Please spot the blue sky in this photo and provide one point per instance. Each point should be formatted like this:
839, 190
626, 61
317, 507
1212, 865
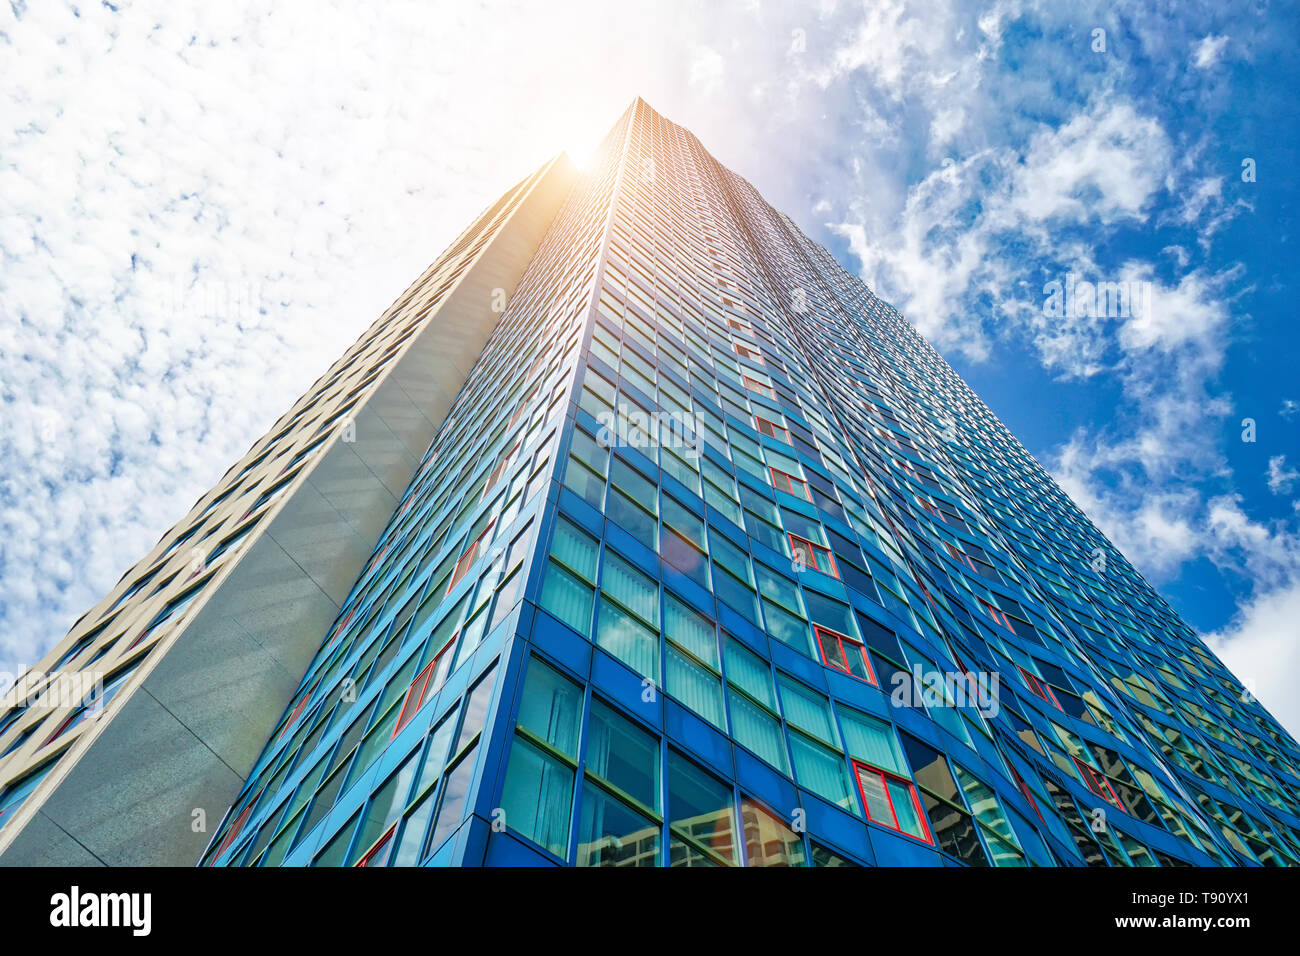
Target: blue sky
201, 206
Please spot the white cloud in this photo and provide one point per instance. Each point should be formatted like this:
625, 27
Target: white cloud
1154, 530
1191, 311
707, 69
1261, 646
1105, 164
955, 262
1280, 478
1208, 189
886, 44
1208, 50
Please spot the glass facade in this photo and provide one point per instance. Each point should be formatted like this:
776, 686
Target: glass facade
716, 562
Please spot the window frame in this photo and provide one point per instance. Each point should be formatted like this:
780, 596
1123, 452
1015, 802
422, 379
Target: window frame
820, 631
759, 388
1099, 784
812, 547
760, 421
790, 480
467, 558
1037, 686
885, 777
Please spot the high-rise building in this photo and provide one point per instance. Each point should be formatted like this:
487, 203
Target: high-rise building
712, 560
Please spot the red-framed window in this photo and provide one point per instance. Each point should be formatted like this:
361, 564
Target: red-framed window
75, 717
1040, 687
236, 827
423, 686
813, 555
370, 565
297, 711
467, 558
844, 653
783, 481
341, 626
377, 855
928, 507
754, 385
406, 505
1097, 783
502, 464
771, 429
523, 407
885, 794
960, 557
415, 696
888, 436
739, 326
754, 355
997, 615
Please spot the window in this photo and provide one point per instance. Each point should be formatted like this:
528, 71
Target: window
378, 854
768, 841
754, 355
424, 684
502, 464
174, 608
820, 769
762, 388
631, 503
1097, 783
771, 429
812, 555
844, 653
379, 824
700, 816
891, 801
538, 792
950, 823
610, 833
1039, 687
468, 556
568, 598
782, 481
551, 708
12, 796
538, 797
999, 837
1028, 794
96, 703
623, 755
824, 857
628, 625
235, 829
997, 615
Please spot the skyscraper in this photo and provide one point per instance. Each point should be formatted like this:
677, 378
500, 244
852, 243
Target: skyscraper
712, 560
